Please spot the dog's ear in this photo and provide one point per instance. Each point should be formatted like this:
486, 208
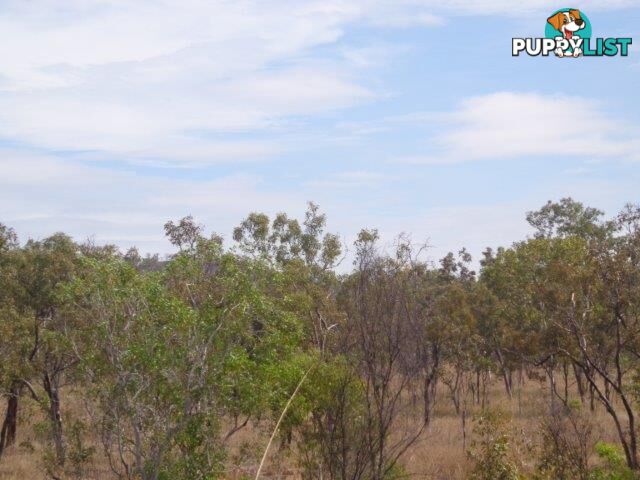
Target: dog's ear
575, 13
556, 20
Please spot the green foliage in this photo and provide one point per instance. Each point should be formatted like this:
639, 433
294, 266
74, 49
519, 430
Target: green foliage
332, 440
492, 449
200, 453
396, 472
569, 218
8, 238
614, 464
80, 454
174, 357
170, 353
285, 240
565, 445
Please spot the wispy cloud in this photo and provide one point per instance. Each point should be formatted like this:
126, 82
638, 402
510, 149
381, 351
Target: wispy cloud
509, 125
104, 89
162, 81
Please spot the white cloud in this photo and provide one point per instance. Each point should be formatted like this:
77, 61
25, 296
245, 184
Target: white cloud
510, 125
146, 80
162, 81
187, 83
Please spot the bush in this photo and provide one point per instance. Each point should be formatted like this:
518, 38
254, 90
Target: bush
491, 450
566, 443
614, 465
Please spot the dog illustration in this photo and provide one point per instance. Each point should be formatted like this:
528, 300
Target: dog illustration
567, 23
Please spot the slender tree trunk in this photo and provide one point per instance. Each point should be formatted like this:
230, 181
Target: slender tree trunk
552, 388
429, 397
430, 385
10, 423
579, 382
486, 377
607, 391
55, 417
505, 373
565, 375
464, 429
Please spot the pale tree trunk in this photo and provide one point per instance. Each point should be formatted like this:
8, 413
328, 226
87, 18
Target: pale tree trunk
506, 375
579, 382
55, 417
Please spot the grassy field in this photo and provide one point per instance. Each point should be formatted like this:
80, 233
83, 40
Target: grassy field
440, 454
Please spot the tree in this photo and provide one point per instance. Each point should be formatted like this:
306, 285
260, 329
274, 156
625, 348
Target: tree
168, 356
379, 331
8, 238
34, 332
14, 336
573, 295
569, 218
45, 266
184, 234
285, 240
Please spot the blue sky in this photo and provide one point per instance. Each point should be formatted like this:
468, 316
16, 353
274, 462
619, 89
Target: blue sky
404, 115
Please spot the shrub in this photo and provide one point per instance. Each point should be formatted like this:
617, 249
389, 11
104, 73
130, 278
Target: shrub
491, 450
614, 465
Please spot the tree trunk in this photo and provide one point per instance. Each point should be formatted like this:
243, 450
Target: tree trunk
552, 388
429, 397
430, 385
55, 417
464, 430
486, 378
506, 375
565, 375
579, 382
9, 425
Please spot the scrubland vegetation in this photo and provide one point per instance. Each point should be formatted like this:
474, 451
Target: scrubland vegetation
117, 366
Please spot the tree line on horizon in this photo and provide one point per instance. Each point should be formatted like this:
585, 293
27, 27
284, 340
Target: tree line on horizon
166, 362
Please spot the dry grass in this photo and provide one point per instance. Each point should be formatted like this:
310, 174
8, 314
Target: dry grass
26, 459
438, 455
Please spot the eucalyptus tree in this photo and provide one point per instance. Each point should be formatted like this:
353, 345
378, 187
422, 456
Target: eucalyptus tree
386, 339
603, 319
569, 218
45, 266
8, 238
177, 361
521, 280
306, 256
37, 356
285, 239
522, 327
14, 335
571, 296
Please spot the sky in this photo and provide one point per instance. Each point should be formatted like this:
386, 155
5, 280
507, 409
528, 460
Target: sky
402, 115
